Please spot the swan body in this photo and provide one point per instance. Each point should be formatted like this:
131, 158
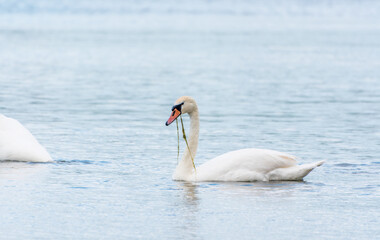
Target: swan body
242, 165
250, 165
18, 144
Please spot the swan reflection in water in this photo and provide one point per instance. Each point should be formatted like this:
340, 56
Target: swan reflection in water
192, 193
11, 170
189, 193
198, 202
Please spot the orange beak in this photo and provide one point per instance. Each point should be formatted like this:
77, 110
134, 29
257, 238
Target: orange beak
173, 116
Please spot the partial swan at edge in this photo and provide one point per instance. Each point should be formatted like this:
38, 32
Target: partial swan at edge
242, 165
18, 144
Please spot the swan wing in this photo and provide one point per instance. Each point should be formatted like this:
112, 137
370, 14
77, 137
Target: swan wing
244, 165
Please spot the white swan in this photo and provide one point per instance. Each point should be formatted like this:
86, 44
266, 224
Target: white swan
18, 144
241, 165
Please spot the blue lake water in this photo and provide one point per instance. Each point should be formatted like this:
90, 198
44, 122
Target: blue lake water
95, 81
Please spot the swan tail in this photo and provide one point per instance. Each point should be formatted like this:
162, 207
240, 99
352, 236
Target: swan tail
294, 173
320, 163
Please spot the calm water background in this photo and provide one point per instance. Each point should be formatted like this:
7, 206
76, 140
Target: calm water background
94, 81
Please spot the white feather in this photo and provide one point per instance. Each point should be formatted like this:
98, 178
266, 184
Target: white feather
18, 144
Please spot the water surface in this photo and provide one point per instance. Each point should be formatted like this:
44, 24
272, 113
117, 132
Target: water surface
94, 82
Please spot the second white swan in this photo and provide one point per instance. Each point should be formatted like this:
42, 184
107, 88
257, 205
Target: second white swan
242, 165
18, 144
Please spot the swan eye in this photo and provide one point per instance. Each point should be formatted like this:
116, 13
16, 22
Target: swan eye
178, 106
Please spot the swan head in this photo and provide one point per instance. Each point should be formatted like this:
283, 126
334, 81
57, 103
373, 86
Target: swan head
183, 105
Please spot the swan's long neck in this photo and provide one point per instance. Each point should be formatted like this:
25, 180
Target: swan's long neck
185, 167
